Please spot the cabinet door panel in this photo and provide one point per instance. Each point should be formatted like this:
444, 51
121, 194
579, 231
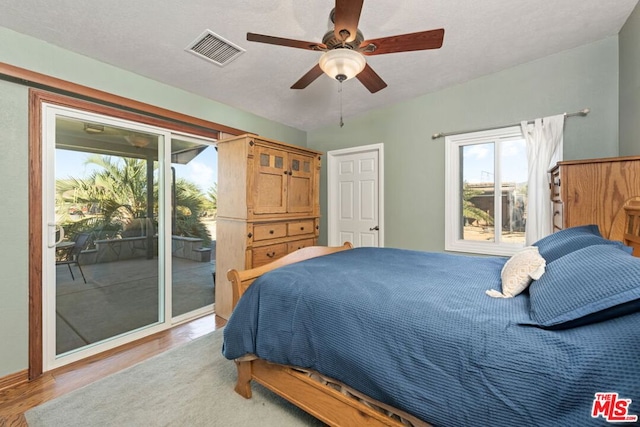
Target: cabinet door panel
270, 180
300, 191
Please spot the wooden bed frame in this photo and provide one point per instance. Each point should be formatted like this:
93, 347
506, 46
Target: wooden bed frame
327, 399
324, 398
632, 226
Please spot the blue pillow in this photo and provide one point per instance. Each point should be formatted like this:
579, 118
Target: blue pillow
571, 239
590, 285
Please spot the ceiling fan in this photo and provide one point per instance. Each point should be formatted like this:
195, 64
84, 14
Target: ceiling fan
345, 46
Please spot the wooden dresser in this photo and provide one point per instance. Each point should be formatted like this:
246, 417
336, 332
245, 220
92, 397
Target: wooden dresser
595, 191
268, 206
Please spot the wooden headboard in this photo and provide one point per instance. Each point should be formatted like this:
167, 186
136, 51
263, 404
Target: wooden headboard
632, 226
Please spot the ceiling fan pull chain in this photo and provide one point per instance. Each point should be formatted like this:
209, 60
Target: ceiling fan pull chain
340, 90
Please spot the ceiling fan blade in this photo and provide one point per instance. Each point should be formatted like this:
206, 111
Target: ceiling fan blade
308, 78
371, 80
422, 40
279, 41
346, 17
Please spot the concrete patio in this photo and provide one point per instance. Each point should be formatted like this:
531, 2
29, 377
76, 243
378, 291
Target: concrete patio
121, 296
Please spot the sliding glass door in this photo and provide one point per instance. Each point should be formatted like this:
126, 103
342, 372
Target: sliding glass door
193, 227
121, 233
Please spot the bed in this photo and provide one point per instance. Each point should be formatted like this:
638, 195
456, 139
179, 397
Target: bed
383, 336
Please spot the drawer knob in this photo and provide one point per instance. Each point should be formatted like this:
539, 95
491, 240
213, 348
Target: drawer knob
301, 228
271, 254
250, 235
271, 231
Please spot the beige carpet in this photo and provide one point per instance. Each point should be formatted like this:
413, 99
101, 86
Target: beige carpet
188, 386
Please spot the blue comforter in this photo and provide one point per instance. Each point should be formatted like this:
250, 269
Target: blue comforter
416, 330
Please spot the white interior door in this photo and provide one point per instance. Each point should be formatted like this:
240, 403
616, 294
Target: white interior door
355, 195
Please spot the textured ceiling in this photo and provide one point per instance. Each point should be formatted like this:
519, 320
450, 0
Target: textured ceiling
149, 37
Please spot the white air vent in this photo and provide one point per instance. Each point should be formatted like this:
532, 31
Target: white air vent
214, 48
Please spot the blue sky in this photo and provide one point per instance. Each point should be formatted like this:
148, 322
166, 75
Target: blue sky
479, 159
203, 170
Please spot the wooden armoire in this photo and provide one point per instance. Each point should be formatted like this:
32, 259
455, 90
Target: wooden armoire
268, 206
595, 191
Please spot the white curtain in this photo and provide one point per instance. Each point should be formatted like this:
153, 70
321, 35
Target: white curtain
544, 150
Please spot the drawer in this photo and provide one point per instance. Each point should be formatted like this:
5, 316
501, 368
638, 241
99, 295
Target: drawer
554, 185
299, 244
269, 231
558, 216
266, 254
300, 227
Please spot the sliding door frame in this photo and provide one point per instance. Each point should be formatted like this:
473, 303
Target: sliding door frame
118, 107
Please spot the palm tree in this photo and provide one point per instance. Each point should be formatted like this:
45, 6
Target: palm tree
190, 203
212, 199
118, 190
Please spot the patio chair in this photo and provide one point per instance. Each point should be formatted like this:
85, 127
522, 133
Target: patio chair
73, 254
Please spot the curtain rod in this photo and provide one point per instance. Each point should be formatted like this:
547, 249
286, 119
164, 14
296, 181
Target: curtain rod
582, 113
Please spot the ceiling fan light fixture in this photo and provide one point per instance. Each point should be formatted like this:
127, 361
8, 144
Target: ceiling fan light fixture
342, 64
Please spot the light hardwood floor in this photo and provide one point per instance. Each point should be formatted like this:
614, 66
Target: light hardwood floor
15, 401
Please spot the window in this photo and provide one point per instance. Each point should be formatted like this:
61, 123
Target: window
486, 192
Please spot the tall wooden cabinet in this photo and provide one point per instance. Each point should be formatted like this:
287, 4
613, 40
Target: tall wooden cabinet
594, 191
268, 206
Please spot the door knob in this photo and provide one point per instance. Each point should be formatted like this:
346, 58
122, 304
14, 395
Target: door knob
376, 228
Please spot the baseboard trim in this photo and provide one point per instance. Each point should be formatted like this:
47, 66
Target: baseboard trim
12, 380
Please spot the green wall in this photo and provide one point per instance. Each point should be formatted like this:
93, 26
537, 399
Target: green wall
39, 56
36, 55
586, 76
14, 224
629, 39
414, 163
